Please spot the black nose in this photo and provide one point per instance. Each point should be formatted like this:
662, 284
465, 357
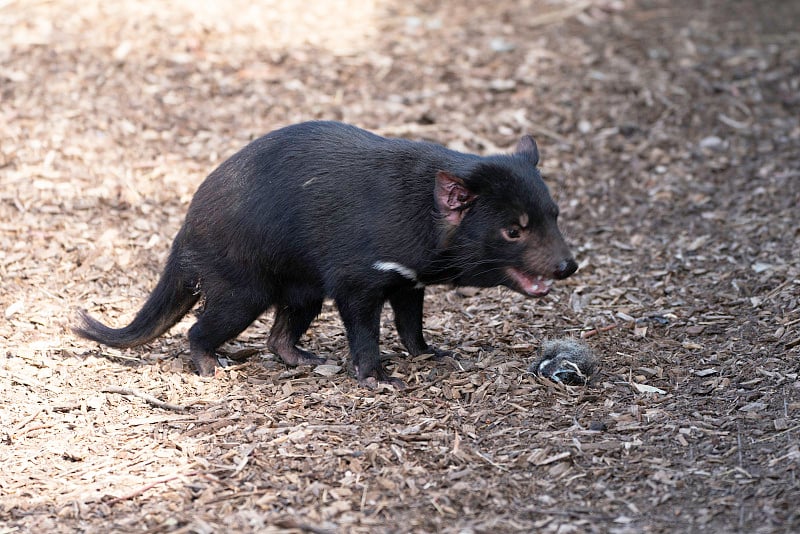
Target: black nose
565, 269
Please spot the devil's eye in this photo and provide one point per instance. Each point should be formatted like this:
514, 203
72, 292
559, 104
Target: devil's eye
512, 233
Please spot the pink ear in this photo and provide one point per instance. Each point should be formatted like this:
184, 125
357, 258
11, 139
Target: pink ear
452, 197
527, 147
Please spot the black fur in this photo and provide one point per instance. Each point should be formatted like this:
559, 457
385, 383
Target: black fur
323, 209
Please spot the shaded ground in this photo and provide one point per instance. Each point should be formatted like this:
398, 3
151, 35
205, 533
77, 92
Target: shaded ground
669, 135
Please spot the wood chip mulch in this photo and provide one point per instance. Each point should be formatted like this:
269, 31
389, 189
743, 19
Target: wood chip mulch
669, 132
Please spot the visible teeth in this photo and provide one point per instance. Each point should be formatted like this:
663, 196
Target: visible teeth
540, 285
535, 285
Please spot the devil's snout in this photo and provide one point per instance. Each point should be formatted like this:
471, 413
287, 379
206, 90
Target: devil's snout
565, 269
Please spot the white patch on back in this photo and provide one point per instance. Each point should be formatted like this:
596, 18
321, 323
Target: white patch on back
402, 270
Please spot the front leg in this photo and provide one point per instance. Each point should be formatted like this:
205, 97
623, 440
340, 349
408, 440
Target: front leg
407, 304
361, 315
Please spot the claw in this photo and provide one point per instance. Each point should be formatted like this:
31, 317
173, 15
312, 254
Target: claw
373, 383
205, 363
371, 380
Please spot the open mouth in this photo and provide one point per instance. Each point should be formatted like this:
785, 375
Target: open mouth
531, 285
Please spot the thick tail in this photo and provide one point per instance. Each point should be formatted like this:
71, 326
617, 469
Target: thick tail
172, 298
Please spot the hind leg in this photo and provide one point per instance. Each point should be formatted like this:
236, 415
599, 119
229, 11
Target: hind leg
291, 322
226, 315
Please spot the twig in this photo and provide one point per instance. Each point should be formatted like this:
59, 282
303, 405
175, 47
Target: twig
557, 16
292, 523
571, 513
775, 435
32, 384
22, 432
247, 454
546, 132
739, 443
145, 396
590, 333
139, 491
28, 420
240, 495
489, 461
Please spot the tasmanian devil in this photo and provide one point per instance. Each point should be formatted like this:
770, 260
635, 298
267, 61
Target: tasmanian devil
324, 209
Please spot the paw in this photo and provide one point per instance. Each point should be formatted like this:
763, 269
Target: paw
373, 379
205, 364
439, 354
373, 383
293, 356
306, 358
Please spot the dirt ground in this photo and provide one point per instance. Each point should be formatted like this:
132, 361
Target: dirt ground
670, 136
